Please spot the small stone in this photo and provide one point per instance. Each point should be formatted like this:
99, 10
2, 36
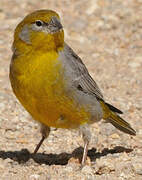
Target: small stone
73, 160
92, 7
22, 141
34, 176
138, 167
115, 136
133, 64
87, 170
2, 15
104, 165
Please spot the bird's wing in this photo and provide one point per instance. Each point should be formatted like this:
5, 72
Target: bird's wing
81, 77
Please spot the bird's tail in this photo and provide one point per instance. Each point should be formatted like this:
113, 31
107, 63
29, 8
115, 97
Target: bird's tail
112, 117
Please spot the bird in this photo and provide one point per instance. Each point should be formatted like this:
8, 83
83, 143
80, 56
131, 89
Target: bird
53, 84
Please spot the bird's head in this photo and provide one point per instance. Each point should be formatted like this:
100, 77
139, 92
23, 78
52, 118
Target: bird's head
41, 30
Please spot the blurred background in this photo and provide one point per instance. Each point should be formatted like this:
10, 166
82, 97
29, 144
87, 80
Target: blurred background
107, 35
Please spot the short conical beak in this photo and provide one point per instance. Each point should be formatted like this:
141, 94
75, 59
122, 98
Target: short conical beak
55, 25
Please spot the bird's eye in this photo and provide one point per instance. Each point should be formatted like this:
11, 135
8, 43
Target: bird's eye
39, 23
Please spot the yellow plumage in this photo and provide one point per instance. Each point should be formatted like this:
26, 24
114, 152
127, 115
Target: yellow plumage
40, 88
51, 81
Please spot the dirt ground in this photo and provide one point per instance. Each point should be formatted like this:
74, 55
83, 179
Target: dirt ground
107, 35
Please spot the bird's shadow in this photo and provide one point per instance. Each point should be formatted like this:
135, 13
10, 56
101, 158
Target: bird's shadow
24, 155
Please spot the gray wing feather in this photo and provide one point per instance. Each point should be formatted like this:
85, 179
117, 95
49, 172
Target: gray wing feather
80, 73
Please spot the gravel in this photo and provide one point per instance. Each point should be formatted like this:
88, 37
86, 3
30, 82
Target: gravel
107, 35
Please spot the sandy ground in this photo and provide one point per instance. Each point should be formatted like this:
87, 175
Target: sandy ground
107, 35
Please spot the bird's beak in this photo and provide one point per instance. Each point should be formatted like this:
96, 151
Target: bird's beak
55, 25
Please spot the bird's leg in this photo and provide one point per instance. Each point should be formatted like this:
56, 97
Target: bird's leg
45, 130
86, 137
85, 151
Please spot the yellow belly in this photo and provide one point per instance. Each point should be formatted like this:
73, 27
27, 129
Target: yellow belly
58, 111
40, 87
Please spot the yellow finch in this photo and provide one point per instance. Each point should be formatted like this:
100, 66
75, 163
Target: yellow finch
53, 84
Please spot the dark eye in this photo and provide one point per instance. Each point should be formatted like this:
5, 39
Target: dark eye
39, 23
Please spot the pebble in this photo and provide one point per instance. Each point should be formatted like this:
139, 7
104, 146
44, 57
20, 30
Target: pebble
137, 165
86, 170
115, 136
34, 177
92, 7
134, 64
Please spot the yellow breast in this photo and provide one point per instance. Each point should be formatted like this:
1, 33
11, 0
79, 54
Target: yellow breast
39, 84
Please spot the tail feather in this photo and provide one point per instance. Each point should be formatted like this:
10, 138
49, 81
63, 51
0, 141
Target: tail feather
121, 124
110, 114
114, 109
